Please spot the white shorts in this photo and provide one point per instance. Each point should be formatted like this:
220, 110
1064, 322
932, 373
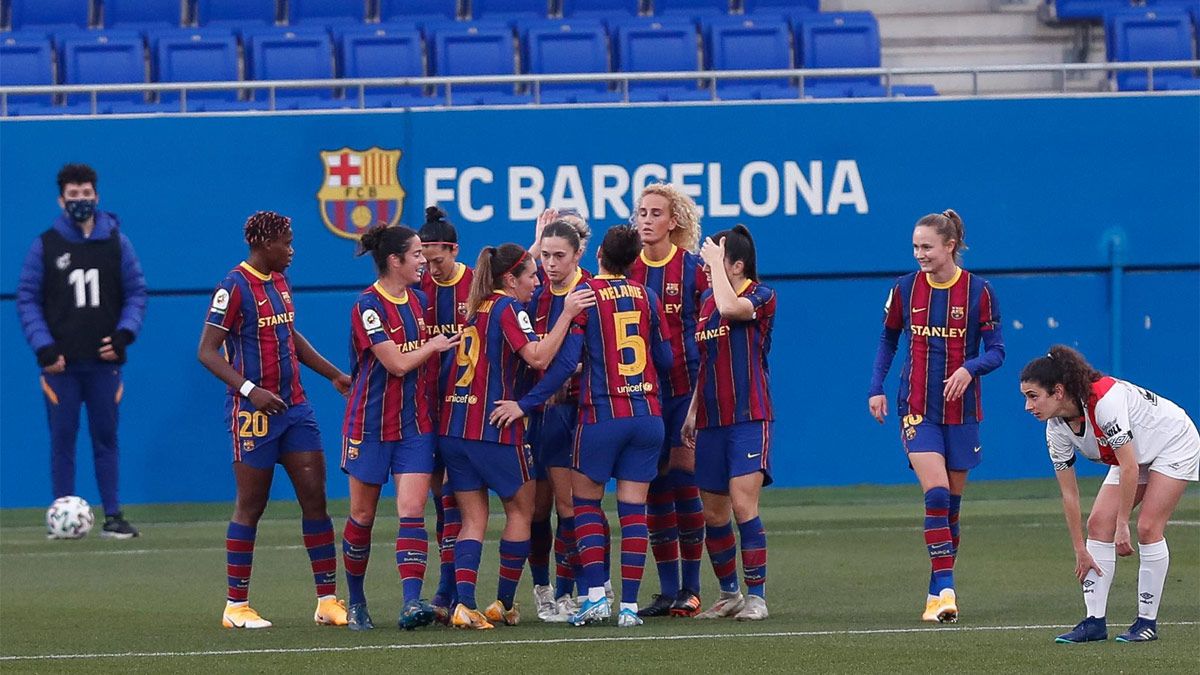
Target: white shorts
1178, 464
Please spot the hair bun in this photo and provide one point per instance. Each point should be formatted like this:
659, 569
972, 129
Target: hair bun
434, 214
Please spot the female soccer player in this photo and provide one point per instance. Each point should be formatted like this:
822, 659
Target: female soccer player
620, 432
947, 312
729, 421
669, 224
387, 429
446, 284
489, 366
267, 413
551, 430
1154, 451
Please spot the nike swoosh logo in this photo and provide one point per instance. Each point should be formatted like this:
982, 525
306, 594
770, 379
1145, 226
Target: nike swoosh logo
977, 448
263, 302
919, 309
393, 330
749, 456
542, 318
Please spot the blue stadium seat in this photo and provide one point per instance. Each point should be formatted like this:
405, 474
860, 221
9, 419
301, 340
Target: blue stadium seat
649, 45
750, 43
476, 49
199, 55
510, 11
52, 16
326, 12
384, 51
789, 9
99, 58
142, 14
1149, 35
570, 46
292, 54
235, 13
1086, 10
26, 59
606, 10
691, 9
418, 11
845, 40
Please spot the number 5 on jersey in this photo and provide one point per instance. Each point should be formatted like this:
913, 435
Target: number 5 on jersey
623, 322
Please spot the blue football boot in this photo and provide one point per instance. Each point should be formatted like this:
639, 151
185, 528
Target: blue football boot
1091, 629
416, 613
357, 617
1142, 630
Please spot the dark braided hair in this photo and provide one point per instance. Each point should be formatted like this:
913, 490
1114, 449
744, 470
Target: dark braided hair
266, 226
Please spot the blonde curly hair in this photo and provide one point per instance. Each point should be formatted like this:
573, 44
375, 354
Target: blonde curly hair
686, 234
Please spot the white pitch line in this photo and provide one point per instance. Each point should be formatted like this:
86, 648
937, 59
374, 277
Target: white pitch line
542, 641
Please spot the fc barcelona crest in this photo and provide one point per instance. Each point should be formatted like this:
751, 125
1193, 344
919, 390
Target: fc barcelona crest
957, 313
360, 188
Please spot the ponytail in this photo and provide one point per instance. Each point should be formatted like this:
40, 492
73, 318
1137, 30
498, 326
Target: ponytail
1065, 366
494, 262
949, 225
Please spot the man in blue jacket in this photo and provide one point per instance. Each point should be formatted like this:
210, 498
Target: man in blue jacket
81, 299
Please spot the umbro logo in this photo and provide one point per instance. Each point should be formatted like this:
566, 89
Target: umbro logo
1146, 597
1088, 583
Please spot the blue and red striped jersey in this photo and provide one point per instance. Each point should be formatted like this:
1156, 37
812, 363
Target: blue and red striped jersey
945, 324
487, 368
381, 406
734, 379
679, 281
446, 314
546, 306
625, 344
256, 311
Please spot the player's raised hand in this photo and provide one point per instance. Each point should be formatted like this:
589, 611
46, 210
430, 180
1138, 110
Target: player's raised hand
1084, 563
956, 384
505, 413
266, 401
713, 252
543, 220
877, 404
441, 343
578, 301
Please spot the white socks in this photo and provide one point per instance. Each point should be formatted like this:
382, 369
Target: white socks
1095, 588
1154, 558
595, 593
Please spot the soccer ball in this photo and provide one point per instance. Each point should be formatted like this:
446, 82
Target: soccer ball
69, 518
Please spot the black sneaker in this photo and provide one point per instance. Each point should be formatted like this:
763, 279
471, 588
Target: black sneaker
116, 527
687, 604
660, 607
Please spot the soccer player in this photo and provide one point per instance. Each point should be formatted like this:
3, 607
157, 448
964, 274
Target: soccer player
669, 224
729, 421
267, 413
387, 429
446, 283
1154, 451
623, 347
552, 430
490, 365
946, 312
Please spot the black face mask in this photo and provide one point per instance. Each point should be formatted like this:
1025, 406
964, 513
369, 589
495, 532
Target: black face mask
80, 210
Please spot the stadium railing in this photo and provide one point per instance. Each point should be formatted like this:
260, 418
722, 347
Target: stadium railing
356, 88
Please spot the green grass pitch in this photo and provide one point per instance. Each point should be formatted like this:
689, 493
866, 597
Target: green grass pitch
846, 586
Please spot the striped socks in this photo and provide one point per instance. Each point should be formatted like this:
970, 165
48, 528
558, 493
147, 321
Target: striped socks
664, 534
566, 557
447, 537
754, 555
589, 537
938, 539
356, 550
466, 569
412, 551
689, 512
634, 540
512, 561
722, 550
239, 555
318, 539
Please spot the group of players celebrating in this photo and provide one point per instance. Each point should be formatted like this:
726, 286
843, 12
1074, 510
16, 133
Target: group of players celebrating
530, 377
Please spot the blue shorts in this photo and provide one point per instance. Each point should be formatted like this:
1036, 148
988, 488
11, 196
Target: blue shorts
260, 439
375, 462
957, 443
726, 452
554, 438
471, 465
626, 448
674, 412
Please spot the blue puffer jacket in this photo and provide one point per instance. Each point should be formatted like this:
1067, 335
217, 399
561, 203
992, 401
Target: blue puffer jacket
29, 288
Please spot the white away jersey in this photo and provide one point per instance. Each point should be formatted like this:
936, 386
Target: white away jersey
1116, 413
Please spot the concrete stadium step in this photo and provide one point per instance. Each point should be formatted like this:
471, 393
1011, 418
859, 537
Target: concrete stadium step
991, 55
